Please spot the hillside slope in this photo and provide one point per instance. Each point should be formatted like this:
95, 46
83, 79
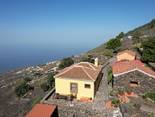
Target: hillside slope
130, 39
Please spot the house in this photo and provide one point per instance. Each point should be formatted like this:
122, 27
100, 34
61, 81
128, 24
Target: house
133, 73
43, 110
80, 80
126, 55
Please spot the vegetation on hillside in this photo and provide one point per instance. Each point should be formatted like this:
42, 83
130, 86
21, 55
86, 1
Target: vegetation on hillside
142, 37
147, 29
150, 95
66, 62
88, 58
148, 53
49, 84
113, 44
23, 88
107, 49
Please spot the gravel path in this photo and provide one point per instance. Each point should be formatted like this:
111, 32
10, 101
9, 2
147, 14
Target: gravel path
102, 95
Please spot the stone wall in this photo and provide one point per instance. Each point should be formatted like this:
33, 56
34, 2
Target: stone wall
146, 83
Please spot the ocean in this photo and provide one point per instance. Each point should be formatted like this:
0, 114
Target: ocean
13, 57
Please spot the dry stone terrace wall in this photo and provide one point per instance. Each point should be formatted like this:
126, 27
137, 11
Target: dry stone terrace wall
146, 83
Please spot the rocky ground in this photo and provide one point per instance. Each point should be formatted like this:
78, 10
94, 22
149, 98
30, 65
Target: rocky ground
10, 104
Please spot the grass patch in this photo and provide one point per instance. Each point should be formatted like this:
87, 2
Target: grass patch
150, 95
150, 115
36, 100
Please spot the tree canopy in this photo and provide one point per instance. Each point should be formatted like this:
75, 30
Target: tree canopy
88, 58
66, 62
148, 54
22, 89
113, 44
120, 35
49, 84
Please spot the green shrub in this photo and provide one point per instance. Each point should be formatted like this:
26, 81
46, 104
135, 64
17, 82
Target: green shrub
115, 102
44, 87
121, 91
66, 62
113, 93
150, 95
36, 100
120, 35
113, 44
50, 81
148, 54
108, 53
22, 89
150, 114
49, 84
87, 58
27, 79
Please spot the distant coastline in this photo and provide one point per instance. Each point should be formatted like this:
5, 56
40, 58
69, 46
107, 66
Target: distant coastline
19, 66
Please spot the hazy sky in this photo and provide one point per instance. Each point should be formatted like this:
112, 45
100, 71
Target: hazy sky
82, 23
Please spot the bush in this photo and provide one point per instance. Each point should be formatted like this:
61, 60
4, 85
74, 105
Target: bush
136, 37
49, 84
88, 58
121, 35
66, 62
148, 54
22, 89
113, 44
27, 79
115, 102
121, 91
150, 95
108, 53
36, 100
44, 87
150, 114
113, 93
50, 81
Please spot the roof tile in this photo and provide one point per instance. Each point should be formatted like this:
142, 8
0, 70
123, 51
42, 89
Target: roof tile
126, 66
82, 70
41, 110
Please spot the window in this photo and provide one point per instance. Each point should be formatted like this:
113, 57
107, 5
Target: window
134, 83
87, 86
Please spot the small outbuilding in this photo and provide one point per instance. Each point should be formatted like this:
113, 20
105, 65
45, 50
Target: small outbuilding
126, 55
133, 74
43, 110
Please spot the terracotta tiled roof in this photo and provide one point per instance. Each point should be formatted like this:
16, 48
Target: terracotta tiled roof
41, 110
123, 67
82, 70
127, 51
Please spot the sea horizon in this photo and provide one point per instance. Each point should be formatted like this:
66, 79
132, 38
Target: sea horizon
17, 60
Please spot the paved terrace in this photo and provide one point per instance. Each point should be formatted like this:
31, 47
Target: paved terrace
85, 109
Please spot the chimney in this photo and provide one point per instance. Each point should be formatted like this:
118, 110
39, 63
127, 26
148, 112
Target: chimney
96, 62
